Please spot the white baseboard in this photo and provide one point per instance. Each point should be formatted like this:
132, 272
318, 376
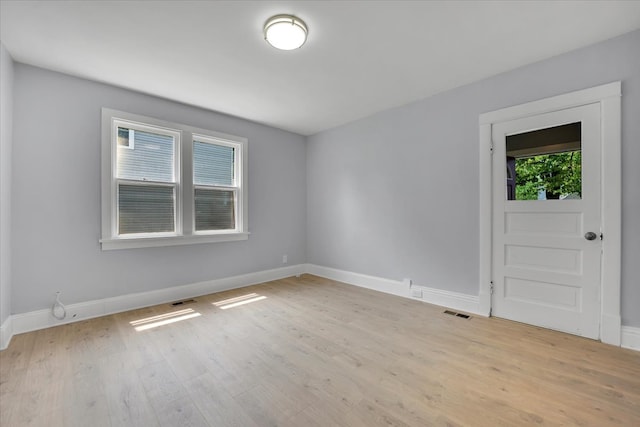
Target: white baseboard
631, 338
41, 319
6, 333
454, 300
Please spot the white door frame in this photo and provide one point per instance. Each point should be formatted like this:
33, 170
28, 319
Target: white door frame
608, 96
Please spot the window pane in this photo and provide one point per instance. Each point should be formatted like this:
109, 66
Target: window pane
212, 164
144, 156
215, 209
123, 137
145, 209
545, 164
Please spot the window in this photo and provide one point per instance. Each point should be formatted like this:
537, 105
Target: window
545, 164
168, 184
145, 179
214, 183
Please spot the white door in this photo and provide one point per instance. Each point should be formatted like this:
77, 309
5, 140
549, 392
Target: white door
547, 252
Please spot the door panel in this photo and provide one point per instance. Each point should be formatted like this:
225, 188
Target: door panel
543, 259
543, 223
543, 293
544, 271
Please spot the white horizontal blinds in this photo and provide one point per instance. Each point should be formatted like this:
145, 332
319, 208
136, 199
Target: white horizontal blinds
213, 164
215, 209
215, 186
145, 177
145, 209
146, 156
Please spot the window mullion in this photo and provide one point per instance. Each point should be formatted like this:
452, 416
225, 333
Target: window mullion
187, 184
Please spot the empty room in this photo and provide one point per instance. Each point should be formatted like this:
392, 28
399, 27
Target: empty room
319, 213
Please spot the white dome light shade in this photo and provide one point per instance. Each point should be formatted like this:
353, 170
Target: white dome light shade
285, 32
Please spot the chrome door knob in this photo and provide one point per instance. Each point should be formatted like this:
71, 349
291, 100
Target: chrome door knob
590, 235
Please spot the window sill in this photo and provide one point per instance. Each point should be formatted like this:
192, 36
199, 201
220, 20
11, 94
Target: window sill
151, 242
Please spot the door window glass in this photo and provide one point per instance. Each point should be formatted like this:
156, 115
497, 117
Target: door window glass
545, 164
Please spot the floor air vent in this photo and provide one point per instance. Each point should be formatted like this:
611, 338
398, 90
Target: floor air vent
183, 302
453, 313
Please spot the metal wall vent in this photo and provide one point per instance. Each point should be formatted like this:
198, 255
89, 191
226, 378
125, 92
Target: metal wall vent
185, 301
453, 313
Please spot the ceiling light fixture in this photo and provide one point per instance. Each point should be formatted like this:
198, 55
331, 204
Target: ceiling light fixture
285, 32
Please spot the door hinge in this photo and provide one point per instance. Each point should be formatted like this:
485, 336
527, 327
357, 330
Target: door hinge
601, 236
491, 147
491, 288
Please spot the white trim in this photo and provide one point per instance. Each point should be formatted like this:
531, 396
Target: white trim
41, 319
547, 105
239, 153
608, 96
631, 338
174, 240
610, 328
450, 299
485, 218
611, 185
455, 300
6, 332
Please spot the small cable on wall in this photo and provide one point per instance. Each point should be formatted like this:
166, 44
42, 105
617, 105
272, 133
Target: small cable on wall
58, 309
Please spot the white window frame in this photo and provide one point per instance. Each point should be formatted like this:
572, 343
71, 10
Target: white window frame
235, 187
175, 184
184, 231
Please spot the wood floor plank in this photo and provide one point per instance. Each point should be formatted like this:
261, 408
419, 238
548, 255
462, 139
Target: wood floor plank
218, 407
312, 352
126, 399
181, 412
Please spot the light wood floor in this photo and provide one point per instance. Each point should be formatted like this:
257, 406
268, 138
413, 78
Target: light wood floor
313, 353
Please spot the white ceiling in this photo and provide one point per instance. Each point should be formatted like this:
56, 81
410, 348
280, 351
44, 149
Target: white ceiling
361, 56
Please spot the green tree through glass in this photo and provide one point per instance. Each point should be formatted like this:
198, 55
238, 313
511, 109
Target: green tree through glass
558, 174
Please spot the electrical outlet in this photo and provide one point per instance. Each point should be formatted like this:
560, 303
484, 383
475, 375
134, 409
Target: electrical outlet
284, 259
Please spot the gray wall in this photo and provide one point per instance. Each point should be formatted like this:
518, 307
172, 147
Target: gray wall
395, 195
6, 141
56, 197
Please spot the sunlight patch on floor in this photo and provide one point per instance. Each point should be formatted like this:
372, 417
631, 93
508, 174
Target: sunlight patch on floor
237, 301
163, 319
